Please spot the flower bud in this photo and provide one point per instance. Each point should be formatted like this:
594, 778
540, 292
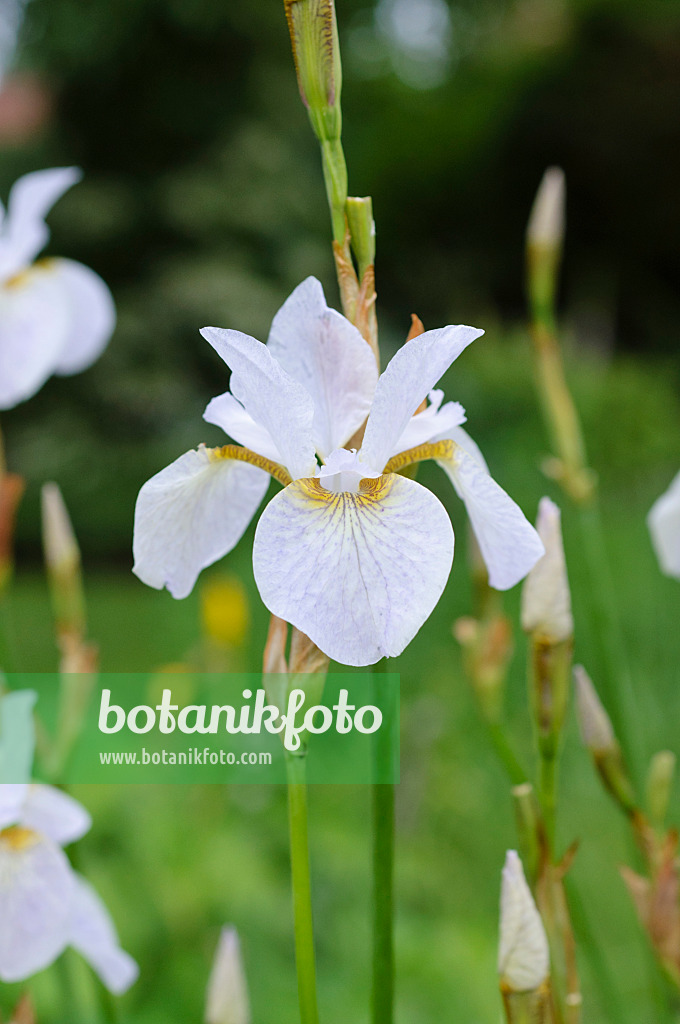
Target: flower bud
596, 727
546, 222
546, 600
598, 736
664, 526
523, 955
227, 997
659, 784
11, 491
316, 51
62, 558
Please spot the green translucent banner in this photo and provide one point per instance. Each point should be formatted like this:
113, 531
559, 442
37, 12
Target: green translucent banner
199, 728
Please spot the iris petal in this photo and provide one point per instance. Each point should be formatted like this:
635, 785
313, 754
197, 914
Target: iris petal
325, 353
358, 573
192, 513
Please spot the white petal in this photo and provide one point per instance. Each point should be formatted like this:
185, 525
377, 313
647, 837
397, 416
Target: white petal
17, 736
322, 350
192, 513
55, 814
664, 526
24, 230
435, 421
225, 412
227, 997
36, 886
508, 542
408, 379
92, 315
358, 573
95, 938
12, 796
546, 600
34, 322
463, 439
523, 956
274, 400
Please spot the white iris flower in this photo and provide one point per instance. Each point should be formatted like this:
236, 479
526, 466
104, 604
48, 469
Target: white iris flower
56, 315
45, 905
664, 526
351, 553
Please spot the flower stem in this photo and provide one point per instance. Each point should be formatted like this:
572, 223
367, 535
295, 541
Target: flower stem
382, 990
302, 891
615, 683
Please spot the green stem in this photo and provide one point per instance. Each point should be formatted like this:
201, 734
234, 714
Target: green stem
302, 889
506, 754
383, 794
548, 792
615, 682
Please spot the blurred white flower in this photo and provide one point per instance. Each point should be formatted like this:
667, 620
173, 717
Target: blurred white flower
523, 956
44, 905
227, 999
56, 315
350, 552
664, 526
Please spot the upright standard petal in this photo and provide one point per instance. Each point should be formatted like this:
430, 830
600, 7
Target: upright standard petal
436, 421
325, 353
36, 888
228, 414
409, 377
94, 936
24, 230
191, 514
92, 315
54, 814
34, 324
664, 526
274, 400
358, 573
508, 542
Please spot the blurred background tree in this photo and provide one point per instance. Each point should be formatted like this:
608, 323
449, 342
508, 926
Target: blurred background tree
203, 202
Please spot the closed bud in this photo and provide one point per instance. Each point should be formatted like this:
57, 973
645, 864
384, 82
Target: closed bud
545, 229
227, 997
523, 955
598, 736
546, 600
596, 727
664, 526
316, 51
659, 785
62, 558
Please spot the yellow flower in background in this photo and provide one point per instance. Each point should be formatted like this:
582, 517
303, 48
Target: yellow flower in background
224, 611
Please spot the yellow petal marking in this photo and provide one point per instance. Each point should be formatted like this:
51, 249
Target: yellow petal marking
234, 451
431, 450
18, 838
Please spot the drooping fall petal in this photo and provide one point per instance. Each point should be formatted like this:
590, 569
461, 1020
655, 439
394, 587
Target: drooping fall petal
509, 544
358, 573
192, 513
